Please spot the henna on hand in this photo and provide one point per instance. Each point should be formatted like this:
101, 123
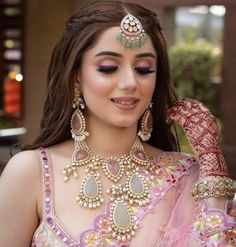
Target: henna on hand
201, 130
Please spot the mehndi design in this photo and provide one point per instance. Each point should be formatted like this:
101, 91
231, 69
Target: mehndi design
201, 129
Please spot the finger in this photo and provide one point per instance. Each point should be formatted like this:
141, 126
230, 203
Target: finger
184, 109
176, 116
195, 104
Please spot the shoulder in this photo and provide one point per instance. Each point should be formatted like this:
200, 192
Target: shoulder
23, 164
22, 170
20, 188
21, 178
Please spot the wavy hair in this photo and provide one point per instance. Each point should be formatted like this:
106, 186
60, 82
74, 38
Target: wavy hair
80, 34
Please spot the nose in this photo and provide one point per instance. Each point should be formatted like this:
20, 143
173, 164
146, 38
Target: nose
128, 80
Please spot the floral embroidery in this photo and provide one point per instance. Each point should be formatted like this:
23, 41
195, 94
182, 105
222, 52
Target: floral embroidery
166, 172
213, 227
44, 238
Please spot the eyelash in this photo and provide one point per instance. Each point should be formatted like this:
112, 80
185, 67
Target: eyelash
111, 69
144, 70
107, 69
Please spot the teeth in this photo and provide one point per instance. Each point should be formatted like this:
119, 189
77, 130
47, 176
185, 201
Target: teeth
124, 102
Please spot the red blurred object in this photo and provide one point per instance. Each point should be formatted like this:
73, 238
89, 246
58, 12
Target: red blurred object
12, 97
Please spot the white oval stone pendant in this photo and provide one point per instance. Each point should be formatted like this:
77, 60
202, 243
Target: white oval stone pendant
137, 189
91, 192
123, 223
121, 216
136, 185
90, 187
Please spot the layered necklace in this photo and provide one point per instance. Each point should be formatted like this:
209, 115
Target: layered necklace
133, 192
114, 168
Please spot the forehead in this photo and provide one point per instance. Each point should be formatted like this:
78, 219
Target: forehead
108, 41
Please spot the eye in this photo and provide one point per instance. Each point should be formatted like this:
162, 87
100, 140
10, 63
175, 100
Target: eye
107, 69
144, 70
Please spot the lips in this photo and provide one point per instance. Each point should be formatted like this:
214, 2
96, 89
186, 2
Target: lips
125, 102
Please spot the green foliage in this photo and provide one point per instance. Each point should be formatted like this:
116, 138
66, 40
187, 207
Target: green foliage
184, 143
192, 65
211, 34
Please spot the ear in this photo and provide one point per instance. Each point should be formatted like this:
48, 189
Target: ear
77, 84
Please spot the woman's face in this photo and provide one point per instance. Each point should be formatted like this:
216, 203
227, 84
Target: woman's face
117, 83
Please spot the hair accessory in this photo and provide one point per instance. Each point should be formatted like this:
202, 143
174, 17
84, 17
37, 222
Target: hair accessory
217, 186
146, 125
78, 124
132, 34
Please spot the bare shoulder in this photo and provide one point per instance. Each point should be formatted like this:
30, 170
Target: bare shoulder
20, 187
22, 173
24, 165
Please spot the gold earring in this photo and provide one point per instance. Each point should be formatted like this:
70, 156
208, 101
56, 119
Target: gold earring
146, 125
78, 124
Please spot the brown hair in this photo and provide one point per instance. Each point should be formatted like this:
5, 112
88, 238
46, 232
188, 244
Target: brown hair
80, 34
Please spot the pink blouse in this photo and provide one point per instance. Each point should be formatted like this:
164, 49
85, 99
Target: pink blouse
172, 219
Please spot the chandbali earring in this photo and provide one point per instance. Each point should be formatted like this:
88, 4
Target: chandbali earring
146, 125
78, 124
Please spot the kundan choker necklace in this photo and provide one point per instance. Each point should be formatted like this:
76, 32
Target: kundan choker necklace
91, 191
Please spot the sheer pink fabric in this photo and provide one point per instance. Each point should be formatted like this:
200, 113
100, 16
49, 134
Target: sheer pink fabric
178, 229
170, 223
167, 222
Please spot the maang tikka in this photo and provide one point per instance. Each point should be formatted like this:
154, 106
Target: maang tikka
146, 124
132, 34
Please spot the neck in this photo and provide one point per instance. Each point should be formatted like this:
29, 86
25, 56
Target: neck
109, 140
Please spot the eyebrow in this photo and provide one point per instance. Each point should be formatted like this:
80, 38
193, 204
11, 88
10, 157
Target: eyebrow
108, 53
145, 54
115, 54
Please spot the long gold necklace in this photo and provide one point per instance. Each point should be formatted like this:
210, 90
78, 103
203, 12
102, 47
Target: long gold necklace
134, 191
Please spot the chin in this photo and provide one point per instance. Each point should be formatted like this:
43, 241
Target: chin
126, 124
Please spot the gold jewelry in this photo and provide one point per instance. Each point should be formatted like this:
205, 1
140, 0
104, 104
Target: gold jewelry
146, 124
135, 165
78, 124
135, 191
113, 168
132, 34
214, 187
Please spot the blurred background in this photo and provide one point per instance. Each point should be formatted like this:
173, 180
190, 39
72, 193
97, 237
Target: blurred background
201, 38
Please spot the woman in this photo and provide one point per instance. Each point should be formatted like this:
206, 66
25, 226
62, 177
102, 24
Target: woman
124, 183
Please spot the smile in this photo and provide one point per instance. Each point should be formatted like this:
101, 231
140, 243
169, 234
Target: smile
125, 103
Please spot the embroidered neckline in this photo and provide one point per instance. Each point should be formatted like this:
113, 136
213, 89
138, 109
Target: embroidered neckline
168, 169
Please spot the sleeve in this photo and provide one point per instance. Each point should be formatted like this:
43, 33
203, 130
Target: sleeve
195, 224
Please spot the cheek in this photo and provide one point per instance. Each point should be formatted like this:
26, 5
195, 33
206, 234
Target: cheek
94, 89
148, 87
